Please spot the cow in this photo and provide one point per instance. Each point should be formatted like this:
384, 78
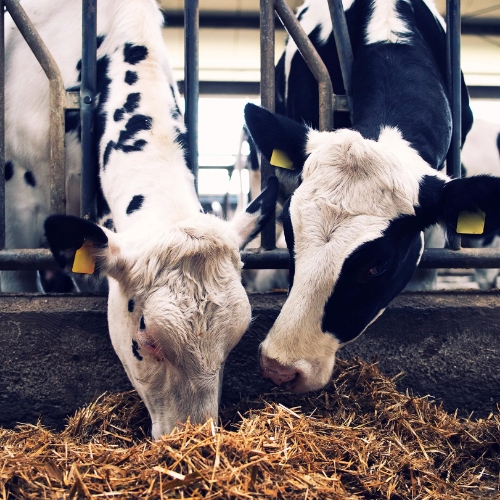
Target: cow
363, 195
176, 305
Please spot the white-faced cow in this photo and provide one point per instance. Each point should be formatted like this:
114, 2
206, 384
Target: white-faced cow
354, 224
176, 303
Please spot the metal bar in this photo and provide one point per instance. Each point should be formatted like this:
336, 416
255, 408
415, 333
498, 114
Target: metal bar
432, 258
344, 48
57, 97
191, 79
2, 127
453, 166
27, 259
313, 61
267, 100
88, 91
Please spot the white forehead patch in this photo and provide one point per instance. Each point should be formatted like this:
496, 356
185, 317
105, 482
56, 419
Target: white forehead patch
385, 25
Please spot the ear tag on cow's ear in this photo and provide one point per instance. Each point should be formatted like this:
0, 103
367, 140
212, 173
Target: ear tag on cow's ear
280, 159
84, 262
471, 222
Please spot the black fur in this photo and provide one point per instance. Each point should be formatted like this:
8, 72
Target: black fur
134, 54
132, 103
131, 77
131, 305
270, 131
66, 234
9, 170
118, 114
135, 350
135, 204
29, 177
142, 324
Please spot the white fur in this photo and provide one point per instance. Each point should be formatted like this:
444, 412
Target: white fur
181, 267
385, 25
352, 188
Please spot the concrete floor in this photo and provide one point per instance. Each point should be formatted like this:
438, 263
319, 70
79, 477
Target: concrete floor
56, 354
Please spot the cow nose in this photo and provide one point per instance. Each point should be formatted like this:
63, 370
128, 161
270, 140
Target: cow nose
277, 372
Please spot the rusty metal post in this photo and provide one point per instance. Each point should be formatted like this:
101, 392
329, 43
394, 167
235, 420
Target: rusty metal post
191, 81
313, 61
453, 166
2, 127
344, 48
57, 99
88, 90
267, 100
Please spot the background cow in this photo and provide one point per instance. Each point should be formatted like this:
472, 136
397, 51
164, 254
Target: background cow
176, 303
354, 224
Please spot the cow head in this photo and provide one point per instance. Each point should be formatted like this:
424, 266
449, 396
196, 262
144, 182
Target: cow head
176, 304
353, 227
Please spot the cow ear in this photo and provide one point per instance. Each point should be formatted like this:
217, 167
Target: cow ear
81, 246
281, 140
471, 205
248, 224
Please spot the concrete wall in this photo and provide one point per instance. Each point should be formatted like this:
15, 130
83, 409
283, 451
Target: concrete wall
55, 352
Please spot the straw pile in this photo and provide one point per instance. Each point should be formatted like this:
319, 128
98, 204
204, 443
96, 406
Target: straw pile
359, 439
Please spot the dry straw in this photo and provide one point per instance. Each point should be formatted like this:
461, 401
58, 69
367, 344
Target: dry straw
360, 439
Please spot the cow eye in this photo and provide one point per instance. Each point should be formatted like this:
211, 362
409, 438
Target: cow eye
378, 269
375, 269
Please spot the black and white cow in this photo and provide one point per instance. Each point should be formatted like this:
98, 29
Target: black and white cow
176, 303
354, 224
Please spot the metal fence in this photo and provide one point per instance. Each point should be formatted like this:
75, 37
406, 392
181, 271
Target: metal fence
267, 257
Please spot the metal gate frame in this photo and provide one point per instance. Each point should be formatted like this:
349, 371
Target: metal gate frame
267, 257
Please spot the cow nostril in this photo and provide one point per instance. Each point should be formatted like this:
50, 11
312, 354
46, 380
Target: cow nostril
278, 373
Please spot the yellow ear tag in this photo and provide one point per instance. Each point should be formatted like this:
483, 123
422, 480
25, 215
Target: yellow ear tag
84, 262
471, 222
280, 159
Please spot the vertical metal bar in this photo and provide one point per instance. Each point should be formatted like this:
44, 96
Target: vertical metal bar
2, 127
454, 89
88, 90
313, 61
267, 100
191, 81
344, 48
57, 99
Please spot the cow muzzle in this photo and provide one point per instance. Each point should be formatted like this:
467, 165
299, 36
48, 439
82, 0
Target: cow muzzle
278, 373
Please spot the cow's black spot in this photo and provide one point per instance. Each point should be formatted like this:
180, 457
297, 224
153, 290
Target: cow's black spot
108, 224
135, 204
175, 112
99, 40
135, 350
142, 325
131, 305
118, 115
30, 178
109, 147
72, 121
301, 15
136, 124
9, 170
131, 77
134, 54
103, 83
132, 103
137, 146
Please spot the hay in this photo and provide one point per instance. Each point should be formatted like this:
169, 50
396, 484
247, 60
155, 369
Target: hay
359, 439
